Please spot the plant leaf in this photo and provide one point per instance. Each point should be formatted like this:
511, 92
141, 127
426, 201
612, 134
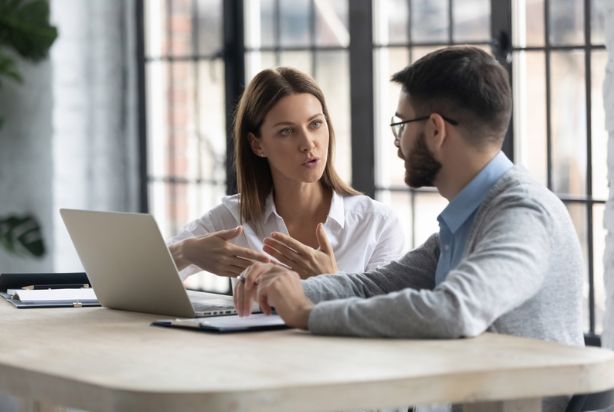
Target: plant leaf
24, 26
22, 235
9, 69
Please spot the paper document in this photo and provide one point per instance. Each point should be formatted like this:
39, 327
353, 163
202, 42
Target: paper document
82, 295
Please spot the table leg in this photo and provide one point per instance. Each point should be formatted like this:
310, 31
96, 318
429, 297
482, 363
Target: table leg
516, 405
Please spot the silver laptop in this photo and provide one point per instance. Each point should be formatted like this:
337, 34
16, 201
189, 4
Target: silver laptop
130, 267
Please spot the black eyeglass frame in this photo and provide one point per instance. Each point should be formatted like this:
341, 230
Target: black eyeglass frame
417, 119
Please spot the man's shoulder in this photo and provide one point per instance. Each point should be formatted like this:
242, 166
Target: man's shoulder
517, 183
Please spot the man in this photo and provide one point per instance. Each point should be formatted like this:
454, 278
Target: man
506, 258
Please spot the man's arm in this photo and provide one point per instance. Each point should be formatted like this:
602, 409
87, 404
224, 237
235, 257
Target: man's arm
506, 268
415, 270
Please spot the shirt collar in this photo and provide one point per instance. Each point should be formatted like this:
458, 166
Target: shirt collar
472, 195
336, 212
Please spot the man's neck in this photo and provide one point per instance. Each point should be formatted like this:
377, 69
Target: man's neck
460, 170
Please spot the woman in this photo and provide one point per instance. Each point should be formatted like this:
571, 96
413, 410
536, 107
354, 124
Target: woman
292, 207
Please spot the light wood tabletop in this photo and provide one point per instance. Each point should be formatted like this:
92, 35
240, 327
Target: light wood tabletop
104, 360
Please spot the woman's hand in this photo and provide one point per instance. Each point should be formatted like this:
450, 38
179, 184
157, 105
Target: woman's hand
273, 286
303, 259
214, 253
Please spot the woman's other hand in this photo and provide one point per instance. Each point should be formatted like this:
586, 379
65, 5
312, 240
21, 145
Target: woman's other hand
215, 253
303, 259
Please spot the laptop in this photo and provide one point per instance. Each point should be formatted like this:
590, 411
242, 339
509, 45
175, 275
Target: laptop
130, 267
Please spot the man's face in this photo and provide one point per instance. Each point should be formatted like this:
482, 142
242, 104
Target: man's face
421, 167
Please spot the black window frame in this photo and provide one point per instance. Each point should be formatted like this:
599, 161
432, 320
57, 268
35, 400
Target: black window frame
360, 13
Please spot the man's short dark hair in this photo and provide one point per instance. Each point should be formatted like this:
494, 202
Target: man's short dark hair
465, 84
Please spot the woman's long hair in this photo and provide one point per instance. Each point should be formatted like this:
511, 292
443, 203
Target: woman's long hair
254, 180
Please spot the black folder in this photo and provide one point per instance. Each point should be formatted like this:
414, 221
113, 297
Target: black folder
43, 281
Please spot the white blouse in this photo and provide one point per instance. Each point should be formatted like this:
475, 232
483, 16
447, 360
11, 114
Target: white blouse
363, 233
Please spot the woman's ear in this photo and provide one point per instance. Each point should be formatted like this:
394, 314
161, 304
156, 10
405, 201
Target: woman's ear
254, 143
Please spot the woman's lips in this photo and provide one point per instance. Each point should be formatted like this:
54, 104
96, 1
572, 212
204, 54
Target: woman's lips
312, 162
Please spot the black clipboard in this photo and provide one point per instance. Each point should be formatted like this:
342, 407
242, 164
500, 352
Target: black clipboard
226, 324
43, 280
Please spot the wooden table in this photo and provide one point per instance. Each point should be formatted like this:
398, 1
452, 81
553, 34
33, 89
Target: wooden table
104, 360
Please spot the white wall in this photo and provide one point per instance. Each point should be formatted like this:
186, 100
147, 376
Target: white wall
26, 163
69, 136
608, 259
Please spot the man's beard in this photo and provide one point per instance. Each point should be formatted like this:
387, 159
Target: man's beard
421, 167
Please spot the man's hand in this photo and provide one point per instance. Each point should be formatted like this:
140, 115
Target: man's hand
214, 253
273, 286
304, 260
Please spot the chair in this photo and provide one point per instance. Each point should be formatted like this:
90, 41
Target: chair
598, 401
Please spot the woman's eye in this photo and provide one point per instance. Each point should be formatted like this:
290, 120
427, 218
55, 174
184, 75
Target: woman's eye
316, 124
287, 131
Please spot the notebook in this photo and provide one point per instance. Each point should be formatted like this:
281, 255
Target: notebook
130, 267
226, 324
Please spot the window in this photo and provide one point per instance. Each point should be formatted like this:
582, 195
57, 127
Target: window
555, 55
559, 63
186, 122
310, 35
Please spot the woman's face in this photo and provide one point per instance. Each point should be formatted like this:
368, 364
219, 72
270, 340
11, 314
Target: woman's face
294, 139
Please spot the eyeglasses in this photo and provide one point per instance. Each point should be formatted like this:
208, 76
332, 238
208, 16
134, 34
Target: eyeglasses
398, 126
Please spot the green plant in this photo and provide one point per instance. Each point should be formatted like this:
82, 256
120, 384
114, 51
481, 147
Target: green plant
24, 31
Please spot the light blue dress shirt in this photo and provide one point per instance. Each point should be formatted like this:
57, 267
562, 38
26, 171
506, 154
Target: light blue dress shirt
456, 219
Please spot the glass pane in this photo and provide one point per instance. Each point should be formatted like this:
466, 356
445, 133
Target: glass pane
427, 206
578, 217
167, 203
157, 118
207, 148
429, 21
568, 123
599, 235
400, 202
471, 20
390, 21
260, 23
208, 282
416, 53
530, 113
332, 23
298, 59
159, 206
295, 22
389, 169
181, 28
333, 76
597, 21
599, 132
209, 22
200, 199
155, 28
566, 22
182, 125
528, 23
257, 61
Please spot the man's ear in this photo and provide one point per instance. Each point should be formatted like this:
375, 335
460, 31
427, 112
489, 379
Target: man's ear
254, 143
436, 132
